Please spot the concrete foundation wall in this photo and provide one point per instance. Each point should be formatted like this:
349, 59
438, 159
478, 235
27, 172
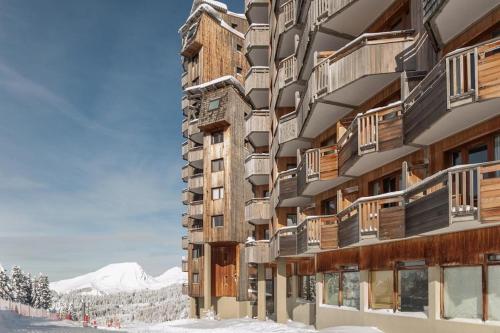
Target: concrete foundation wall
228, 307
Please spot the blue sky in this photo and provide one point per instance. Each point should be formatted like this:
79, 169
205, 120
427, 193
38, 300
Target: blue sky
90, 134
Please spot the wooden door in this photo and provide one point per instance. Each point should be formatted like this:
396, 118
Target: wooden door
224, 271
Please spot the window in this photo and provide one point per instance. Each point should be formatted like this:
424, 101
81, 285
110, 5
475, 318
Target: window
331, 289
290, 166
382, 286
329, 206
217, 193
494, 292
196, 278
217, 221
197, 251
217, 165
291, 219
350, 289
214, 104
497, 147
234, 25
307, 288
197, 224
239, 70
463, 296
217, 137
412, 287
239, 48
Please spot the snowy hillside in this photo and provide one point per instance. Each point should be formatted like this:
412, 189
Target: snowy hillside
116, 278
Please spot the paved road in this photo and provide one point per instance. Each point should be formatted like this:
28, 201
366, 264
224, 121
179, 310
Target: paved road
11, 323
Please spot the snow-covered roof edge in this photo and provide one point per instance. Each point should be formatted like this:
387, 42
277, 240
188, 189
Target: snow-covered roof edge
205, 8
228, 80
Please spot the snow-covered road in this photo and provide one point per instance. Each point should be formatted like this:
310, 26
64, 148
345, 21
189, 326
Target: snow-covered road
11, 323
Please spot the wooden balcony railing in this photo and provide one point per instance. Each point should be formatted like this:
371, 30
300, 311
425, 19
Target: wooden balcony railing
287, 71
257, 252
465, 76
257, 165
257, 211
196, 235
287, 15
195, 290
185, 242
287, 128
195, 208
257, 78
314, 230
284, 242
185, 289
187, 196
185, 149
185, 266
257, 127
285, 187
195, 182
257, 36
185, 172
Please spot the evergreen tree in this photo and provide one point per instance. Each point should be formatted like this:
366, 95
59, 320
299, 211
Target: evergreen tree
35, 294
17, 283
44, 293
28, 289
5, 291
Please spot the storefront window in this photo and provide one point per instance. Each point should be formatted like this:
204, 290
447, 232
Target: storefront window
494, 293
350, 289
382, 286
463, 292
331, 288
413, 290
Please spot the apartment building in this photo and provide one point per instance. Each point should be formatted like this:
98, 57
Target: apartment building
373, 146
214, 107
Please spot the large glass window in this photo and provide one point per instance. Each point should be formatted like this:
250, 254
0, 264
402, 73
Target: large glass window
307, 288
463, 296
217, 165
331, 289
382, 286
413, 289
494, 292
350, 289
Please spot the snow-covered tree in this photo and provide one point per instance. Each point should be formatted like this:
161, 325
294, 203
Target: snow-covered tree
43, 292
28, 287
5, 291
18, 285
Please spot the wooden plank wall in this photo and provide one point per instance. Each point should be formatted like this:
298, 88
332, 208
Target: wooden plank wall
224, 271
349, 231
427, 214
392, 223
460, 248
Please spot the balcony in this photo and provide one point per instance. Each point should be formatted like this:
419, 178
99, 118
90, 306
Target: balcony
195, 290
288, 27
257, 252
186, 172
287, 83
185, 125
317, 233
185, 265
195, 209
283, 243
195, 157
187, 197
258, 211
460, 91
185, 220
447, 19
319, 171
373, 139
256, 11
186, 104
185, 242
285, 191
257, 86
257, 169
257, 127
185, 150
194, 133
196, 236
257, 41
287, 141
195, 183
185, 289
458, 198
367, 64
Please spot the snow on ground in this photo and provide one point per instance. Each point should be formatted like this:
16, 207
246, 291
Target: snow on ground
12, 323
115, 278
240, 326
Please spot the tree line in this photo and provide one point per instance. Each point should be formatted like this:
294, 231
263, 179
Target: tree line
22, 288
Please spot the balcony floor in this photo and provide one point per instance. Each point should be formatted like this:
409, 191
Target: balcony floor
322, 116
319, 186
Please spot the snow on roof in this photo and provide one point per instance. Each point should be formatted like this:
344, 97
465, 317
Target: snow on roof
205, 8
215, 4
238, 15
228, 79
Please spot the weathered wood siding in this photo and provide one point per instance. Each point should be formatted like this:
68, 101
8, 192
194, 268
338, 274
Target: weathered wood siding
223, 271
349, 231
392, 223
428, 213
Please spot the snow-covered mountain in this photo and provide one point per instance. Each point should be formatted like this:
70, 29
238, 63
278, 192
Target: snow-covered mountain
115, 278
